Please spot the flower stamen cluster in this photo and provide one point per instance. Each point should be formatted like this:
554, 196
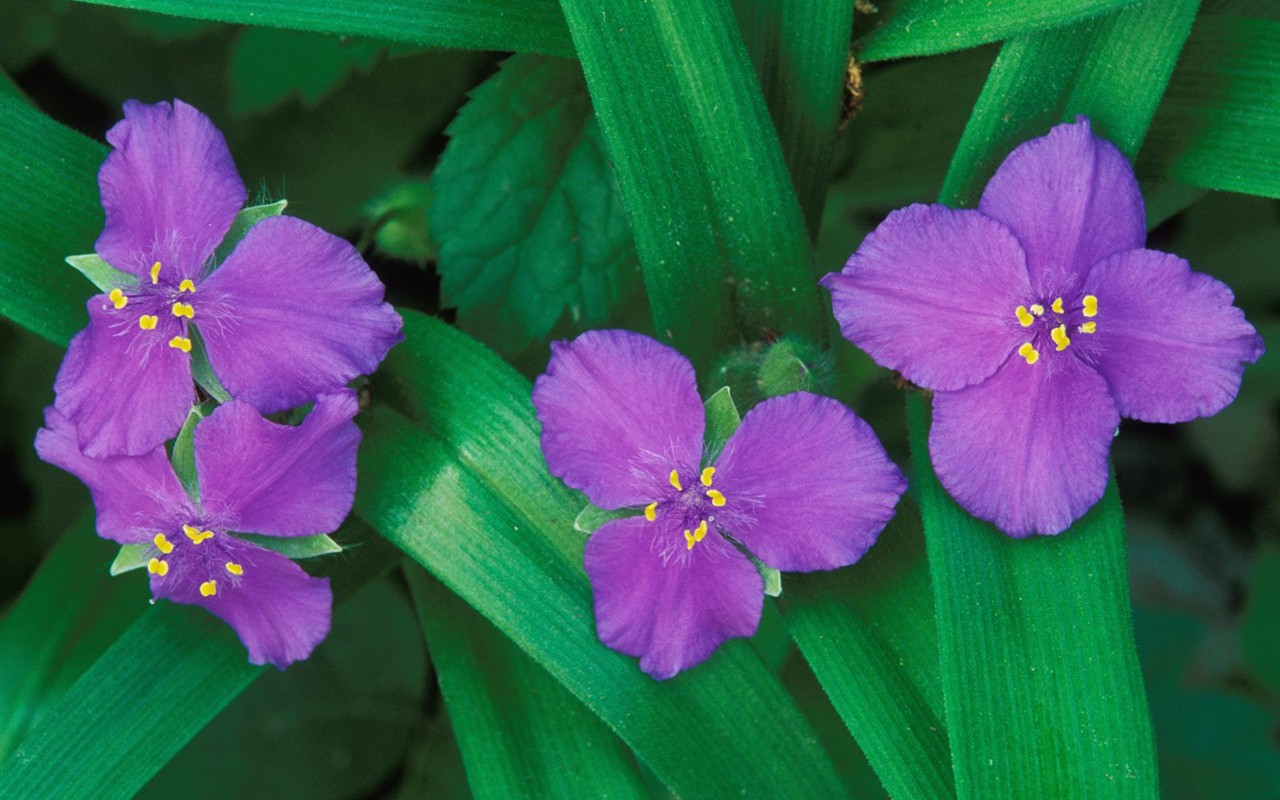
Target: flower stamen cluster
1056, 324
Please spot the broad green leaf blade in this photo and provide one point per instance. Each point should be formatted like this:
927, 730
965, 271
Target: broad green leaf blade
464, 491
534, 26
50, 202
526, 209
927, 27
245, 219
268, 66
100, 273
521, 733
721, 238
1219, 124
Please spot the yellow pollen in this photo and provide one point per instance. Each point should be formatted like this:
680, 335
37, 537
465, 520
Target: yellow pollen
118, 299
184, 310
706, 475
162, 544
1057, 306
1037, 309
1090, 305
1024, 317
717, 499
148, 322
1059, 335
1089, 327
195, 534
187, 286
651, 511
696, 535
157, 567
209, 588
675, 481
234, 568
180, 343
1029, 353
155, 272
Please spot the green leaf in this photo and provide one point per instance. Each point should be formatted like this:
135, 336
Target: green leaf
722, 421
521, 733
270, 66
527, 211
100, 273
50, 197
926, 27
129, 558
535, 26
463, 489
592, 517
295, 547
245, 219
721, 238
1219, 123
184, 453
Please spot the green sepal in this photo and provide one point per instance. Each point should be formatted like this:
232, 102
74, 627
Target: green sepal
246, 219
592, 517
294, 547
397, 221
722, 420
130, 557
102, 274
772, 579
792, 364
202, 372
184, 453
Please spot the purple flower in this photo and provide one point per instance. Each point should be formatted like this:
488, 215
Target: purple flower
254, 477
1039, 320
803, 484
292, 312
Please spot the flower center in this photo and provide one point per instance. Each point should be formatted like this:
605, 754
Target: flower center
197, 562
162, 299
1054, 323
696, 505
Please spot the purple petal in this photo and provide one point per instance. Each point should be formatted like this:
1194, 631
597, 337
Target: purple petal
1072, 200
670, 606
125, 389
931, 293
1169, 341
275, 479
619, 411
293, 312
279, 611
169, 189
134, 496
812, 481
1028, 448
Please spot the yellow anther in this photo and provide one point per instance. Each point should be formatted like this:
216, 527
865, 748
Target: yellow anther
1029, 353
688, 537
717, 499
1089, 327
651, 511
157, 567
1059, 335
195, 534
162, 544
180, 343
675, 481
706, 475
148, 322
1057, 306
692, 537
155, 272
187, 286
184, 310
1037, 309
1024, 317
118, 299
209, 588
1090, 305
234, 568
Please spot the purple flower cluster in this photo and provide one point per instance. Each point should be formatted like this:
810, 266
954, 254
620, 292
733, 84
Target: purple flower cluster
289, 317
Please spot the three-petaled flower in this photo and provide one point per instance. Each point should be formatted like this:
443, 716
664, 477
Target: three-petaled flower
1040, 319
292, 312
253, 476
803, 484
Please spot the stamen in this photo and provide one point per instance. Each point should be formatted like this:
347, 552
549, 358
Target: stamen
155, 272
1029, 353
184, 310
1089, 327
148, 322
696, 535
706, 475
162, 544
1057, 306
234, 568
157, 567
209, 588
1024, 317
717, 499
187, 286
180, 343
1037, 309
675, 481
1090, 305
651, 511
1059, 335
118, 299
195, 534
